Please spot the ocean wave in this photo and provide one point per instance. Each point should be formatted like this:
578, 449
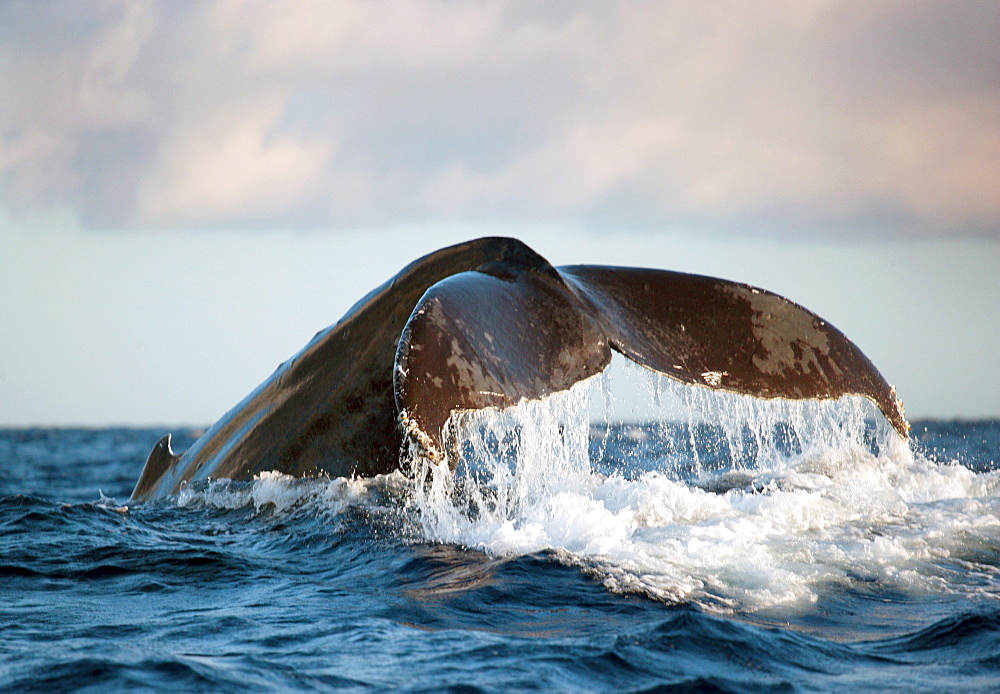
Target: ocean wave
848, 502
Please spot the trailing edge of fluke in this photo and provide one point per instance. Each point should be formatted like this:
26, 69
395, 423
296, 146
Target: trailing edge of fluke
488, 323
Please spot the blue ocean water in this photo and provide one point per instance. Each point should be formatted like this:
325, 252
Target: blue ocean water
695, 554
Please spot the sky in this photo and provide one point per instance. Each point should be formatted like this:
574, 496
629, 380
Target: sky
190, 190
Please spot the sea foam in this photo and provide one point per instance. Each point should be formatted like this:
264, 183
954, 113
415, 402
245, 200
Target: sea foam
748, 504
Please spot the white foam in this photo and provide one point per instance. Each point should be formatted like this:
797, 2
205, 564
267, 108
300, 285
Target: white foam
727, 513
274, 492
848, 502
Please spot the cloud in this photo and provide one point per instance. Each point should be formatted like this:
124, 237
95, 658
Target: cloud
231, 166
789, 117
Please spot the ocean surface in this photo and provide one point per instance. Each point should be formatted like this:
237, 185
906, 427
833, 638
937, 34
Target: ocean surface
707, 545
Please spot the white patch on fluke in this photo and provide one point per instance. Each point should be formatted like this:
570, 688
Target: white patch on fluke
714, 378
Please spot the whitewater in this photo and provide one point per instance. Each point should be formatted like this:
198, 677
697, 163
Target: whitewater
694, 539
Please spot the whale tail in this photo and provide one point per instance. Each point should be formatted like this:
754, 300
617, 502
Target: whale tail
498, 335
488, 323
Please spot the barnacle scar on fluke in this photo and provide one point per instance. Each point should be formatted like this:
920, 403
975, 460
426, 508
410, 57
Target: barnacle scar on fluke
488, 323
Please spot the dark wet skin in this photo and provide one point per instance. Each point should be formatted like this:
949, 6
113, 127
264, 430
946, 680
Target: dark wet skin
488, 323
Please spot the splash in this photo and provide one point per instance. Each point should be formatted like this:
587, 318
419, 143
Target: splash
279, 495
727, 501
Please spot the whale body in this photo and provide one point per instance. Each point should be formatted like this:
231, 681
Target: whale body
489, 323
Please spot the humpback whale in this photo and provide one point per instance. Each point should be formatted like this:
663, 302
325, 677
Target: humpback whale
488, 323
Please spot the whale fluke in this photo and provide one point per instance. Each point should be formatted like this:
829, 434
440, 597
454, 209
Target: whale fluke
490, 339
729, 336
488, 323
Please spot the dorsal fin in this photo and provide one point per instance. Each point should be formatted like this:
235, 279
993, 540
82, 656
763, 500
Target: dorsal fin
160, 459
